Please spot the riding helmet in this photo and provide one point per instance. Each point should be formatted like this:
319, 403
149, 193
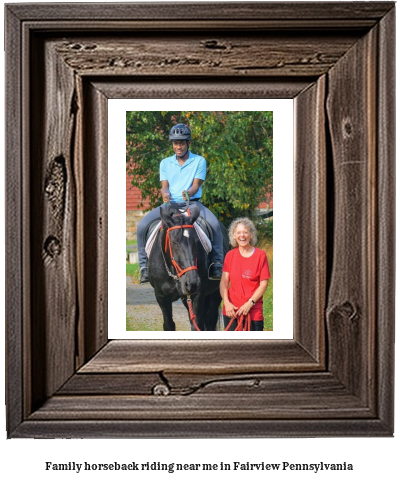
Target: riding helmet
180, 132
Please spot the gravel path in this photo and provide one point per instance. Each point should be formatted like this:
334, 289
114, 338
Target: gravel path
144, 313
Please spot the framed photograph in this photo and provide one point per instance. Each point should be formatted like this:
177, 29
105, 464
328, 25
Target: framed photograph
225, 153
65, 377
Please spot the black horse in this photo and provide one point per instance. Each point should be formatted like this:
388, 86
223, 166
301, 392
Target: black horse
178, 268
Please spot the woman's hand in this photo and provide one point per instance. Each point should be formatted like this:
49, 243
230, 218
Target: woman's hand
245, 308
230, 309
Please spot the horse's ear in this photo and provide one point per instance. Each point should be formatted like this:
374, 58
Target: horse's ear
165, 216
194, 213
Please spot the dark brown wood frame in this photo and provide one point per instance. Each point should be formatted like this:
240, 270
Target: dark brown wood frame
63, 62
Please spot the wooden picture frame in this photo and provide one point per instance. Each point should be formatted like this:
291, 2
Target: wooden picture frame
335, 378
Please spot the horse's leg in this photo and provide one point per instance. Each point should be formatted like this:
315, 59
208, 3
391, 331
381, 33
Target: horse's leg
166, 306
212, 311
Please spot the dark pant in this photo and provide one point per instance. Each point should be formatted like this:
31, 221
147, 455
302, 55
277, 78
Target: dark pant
255, 325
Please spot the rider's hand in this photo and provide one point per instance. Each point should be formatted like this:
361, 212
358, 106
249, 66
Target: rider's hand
166, 197
184, 195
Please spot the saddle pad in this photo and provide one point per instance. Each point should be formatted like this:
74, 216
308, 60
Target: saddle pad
203, 237
151, 239
206, 243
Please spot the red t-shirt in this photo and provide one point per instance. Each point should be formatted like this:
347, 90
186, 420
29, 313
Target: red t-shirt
245, 274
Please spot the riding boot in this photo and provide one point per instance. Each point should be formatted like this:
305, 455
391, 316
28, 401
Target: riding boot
143, 275
215, 271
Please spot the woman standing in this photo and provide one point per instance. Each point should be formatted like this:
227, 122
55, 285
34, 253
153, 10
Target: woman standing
245, 277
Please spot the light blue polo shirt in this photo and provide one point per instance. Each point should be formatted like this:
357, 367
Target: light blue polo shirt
181, 178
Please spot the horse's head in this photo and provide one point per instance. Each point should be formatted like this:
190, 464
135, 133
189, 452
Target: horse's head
180, 245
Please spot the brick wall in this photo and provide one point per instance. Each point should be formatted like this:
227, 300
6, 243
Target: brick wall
133, 197
268, 204
134, 212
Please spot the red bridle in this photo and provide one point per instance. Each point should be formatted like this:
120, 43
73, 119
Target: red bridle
179, 270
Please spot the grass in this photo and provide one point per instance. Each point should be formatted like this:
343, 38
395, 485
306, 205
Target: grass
147, 324
132, 270
268, 296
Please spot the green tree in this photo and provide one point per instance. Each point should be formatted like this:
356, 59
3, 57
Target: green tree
237, 145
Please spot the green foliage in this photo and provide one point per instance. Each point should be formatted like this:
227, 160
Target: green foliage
238, 148
264, 229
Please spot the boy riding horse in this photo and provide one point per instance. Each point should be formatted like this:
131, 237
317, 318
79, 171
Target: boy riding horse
180, 174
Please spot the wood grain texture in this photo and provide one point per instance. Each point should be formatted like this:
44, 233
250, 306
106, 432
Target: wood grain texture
95, 202
385, 201
15, 208
310, 201
351, 306
359, 14
335, 377
276, 387
203, 406
53, 217
203, 55
189, 428
109, 384
175, 87
200, 356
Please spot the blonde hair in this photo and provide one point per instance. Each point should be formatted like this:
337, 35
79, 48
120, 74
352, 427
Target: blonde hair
248, 225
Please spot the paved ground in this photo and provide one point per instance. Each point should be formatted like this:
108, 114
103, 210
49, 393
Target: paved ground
144, 313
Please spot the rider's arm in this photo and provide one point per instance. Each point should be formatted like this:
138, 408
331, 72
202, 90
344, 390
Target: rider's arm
165, 191
192, 191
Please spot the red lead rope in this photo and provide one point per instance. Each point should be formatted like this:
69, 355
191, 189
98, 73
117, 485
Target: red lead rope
243, 323
192, 315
